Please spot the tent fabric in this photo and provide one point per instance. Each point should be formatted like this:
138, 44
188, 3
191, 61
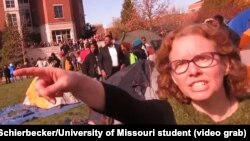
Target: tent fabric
245, 40
239, 23
138, 80
151, 37
32, 98
151, 90
134, 79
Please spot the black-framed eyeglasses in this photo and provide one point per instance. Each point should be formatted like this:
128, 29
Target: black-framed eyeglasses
203, 60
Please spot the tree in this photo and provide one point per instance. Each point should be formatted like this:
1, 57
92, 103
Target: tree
89, 31
214, 7
127, 11
151, 10
117, 27
11, 51
25, 34
28, 35
130, 18
140, 14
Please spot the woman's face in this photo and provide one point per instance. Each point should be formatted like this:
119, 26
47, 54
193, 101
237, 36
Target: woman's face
197, 83
123, 48
92, 48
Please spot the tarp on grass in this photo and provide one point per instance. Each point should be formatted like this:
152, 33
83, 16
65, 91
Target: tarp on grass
32, 98
19, 113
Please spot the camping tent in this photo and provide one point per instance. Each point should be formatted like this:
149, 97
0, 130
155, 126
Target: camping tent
135, 79
151, 37
245, 40
240, 22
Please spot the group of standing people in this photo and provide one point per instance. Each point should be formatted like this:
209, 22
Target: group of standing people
7, 72
103, 62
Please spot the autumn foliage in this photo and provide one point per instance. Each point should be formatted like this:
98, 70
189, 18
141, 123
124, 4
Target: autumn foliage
227, 8
157, 16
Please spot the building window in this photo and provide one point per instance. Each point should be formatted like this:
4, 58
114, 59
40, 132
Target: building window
26, 17
61, 35
23, 1
10, 3
58, 11
12, 19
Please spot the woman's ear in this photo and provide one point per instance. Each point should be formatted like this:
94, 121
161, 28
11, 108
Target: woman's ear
227, 67
173, 79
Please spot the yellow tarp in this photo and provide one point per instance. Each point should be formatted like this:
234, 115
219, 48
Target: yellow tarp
34, 98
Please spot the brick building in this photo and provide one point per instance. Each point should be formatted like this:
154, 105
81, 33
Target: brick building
55, 20
195, 6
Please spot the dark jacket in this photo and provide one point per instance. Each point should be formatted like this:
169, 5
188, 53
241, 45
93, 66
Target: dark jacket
139, 52
121, 106
56, 61
89, 66
6, 72
105, 62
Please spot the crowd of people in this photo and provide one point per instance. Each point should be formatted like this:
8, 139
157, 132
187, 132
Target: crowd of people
7, 72
97, 62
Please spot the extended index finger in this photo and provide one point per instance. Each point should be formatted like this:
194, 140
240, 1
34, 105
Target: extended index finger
33, 71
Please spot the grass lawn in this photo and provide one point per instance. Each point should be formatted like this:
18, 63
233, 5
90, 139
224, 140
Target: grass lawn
14, 93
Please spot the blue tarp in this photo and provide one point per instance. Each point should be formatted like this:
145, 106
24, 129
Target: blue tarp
19, 113
240, 22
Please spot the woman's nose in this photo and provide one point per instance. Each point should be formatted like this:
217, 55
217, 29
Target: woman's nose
193, 70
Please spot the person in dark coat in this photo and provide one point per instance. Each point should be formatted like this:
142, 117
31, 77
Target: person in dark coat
126, 50
110, 58
56, 61
1, 74
90, 66
137, 49
6, 72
